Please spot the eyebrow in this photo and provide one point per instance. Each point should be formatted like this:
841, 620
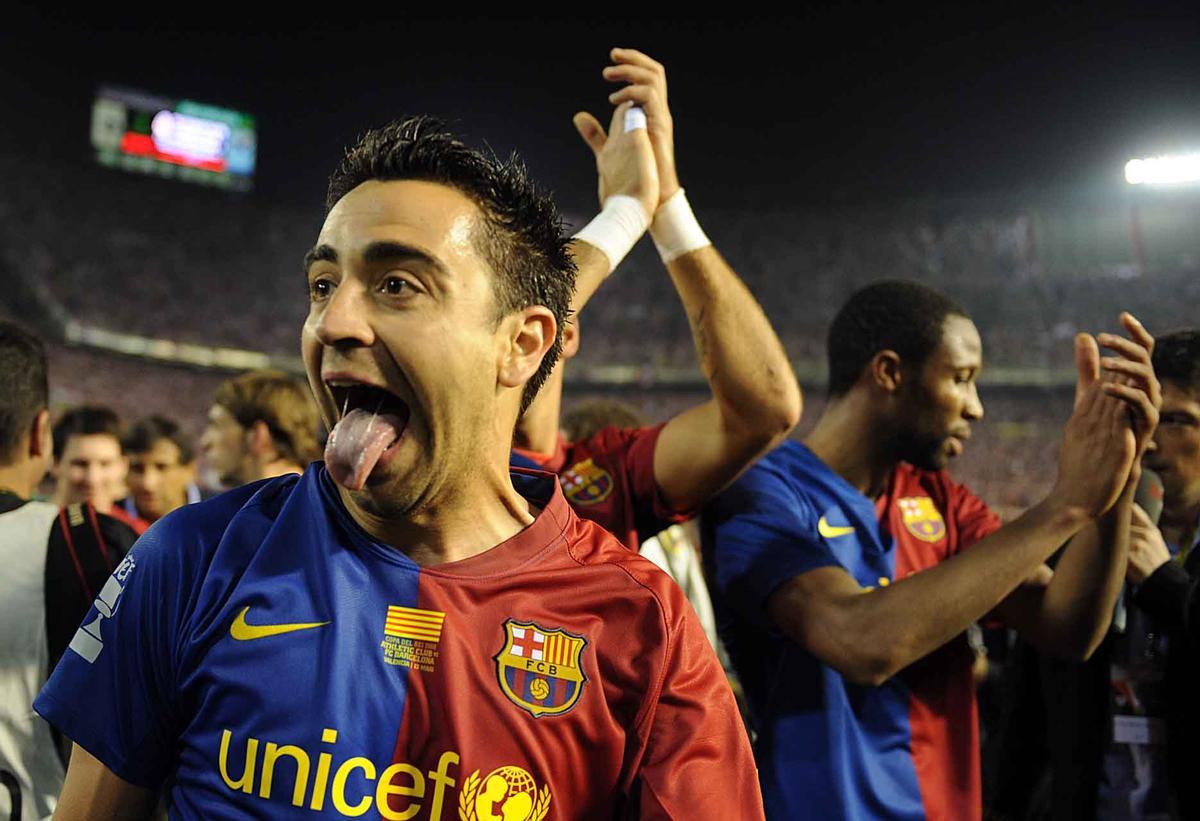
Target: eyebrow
381, 251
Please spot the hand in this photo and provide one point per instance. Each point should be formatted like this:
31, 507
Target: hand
624, 159
1099, 446
1147, 550
647, 87
1130, 377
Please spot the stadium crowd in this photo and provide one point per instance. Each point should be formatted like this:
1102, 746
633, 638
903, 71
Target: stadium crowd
844, 568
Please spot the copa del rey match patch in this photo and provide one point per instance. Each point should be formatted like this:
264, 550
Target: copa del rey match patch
541, 669
411, 636
922, 519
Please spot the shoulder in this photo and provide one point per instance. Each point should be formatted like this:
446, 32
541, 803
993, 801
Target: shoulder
780, 480
612, 440
193, 533
629, 574
953, 497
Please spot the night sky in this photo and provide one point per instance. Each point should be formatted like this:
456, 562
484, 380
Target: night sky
841, 103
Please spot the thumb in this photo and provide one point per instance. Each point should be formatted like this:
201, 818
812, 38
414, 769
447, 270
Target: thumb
1087, 363
590, 129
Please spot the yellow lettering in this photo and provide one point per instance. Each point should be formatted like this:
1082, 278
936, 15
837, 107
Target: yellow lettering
386, 789
272, 754
246, 782
339, 786
318, 794
442, 780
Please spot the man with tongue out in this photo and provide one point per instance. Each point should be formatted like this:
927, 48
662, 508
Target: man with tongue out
409, 629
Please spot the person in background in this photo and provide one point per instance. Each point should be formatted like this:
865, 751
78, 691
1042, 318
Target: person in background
637, 481
53, 562
162, 469
846, 570
89, 463
261, 424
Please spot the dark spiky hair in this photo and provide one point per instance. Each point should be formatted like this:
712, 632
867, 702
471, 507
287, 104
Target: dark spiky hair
905, 317
522, 237
1176, 359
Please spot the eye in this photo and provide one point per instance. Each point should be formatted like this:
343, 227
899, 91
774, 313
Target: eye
393, 285
320, 288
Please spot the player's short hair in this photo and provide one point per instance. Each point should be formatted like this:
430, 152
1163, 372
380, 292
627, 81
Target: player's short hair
280, 402
586, 418
522, 236
24, 386
1176, 359
905, 317
147, 432
86, 420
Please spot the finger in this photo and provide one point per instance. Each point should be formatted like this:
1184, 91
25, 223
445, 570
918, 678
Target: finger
637, 58
1139, 372
590, 129
617, 126
1137, 331
1087, 363
1127, 348
645, 96
634, 75
1141, 518
1135, 398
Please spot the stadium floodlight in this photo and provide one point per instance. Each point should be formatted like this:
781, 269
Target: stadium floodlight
1167, 169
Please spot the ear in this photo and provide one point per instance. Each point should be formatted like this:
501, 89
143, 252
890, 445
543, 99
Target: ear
528, 335
258, 438
571, 337
884, 371
41, 442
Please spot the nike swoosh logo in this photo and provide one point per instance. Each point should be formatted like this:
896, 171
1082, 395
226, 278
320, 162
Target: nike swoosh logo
248, 632
832, 531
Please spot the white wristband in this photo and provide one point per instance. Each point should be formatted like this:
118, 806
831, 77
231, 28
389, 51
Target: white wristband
617, 228
675, 230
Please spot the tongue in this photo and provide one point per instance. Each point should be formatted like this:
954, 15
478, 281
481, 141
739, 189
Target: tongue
356, 443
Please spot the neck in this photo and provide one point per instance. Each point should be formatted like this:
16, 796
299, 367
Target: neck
16, 479
847, 439
539, 425
480, 511
275, 467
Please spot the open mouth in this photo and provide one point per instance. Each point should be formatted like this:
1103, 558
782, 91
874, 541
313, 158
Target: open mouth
371, 424
351, 396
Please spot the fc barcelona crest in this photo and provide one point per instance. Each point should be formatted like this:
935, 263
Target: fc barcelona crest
541, 670
586, 484
922, 519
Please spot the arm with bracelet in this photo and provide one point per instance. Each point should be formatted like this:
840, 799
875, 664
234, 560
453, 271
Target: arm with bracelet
628, 188
756, 400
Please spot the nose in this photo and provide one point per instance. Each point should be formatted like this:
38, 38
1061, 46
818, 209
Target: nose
973, 410
343, 319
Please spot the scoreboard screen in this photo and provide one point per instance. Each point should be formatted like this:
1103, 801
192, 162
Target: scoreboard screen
179, 139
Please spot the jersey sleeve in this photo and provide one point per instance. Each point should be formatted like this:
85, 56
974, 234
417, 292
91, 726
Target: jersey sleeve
651, 511
974, 519
83, 549
760, 534
698, 762
113, 691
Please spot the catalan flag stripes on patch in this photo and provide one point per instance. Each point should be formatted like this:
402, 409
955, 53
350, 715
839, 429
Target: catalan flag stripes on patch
562, 650
414, 623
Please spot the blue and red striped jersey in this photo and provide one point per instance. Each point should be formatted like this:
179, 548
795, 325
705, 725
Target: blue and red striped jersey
260, 655
829, 748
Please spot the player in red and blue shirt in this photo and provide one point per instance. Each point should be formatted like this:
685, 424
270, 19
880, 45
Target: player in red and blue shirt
845, 570
637, 481
408, 629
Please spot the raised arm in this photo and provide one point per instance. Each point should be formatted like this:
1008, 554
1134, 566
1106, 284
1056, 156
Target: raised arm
870, 635
1067, 611
756, 399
